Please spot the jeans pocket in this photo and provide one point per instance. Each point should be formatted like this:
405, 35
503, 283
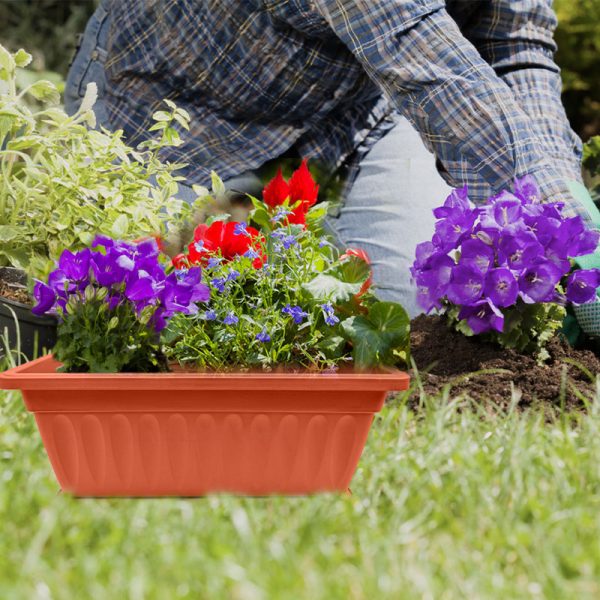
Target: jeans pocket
89, 59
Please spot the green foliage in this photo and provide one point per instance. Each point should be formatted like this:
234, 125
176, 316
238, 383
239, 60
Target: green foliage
578, 39
381, 337
95, 339
527, 327
62, 182
308, 275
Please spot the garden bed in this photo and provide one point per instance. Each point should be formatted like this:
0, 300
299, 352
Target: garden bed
444, 356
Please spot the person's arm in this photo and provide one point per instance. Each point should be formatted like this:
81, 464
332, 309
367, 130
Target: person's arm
516, 38
415, 51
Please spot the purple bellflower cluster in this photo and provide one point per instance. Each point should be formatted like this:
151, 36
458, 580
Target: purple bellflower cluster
513, 250
121, 273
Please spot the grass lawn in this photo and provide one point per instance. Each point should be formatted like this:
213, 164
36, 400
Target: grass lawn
446, 504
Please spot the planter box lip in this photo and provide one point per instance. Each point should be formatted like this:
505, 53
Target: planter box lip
40, 374
23, 312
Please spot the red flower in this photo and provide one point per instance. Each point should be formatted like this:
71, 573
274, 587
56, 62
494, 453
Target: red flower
361, 255
276, 191
303, 187
220, 236
180, 261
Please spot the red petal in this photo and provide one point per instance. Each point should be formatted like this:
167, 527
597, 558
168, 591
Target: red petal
180, 261
276, 191
303, 186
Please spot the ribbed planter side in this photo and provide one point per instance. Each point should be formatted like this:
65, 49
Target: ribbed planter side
195, 453
182, 434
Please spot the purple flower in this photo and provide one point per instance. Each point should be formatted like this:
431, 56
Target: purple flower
477, 254
230, 319
251, 253
263, 336
456, 219
329, 314
582, 285
526, 190
199, 245
240, 229
537, 283
501, 287
233, 275
44, 298
519, 251
142, 289
295, 312
213, 262
503, 212
281, 212
218, 283
75, 266
483, 317
432, 282
466, 285
289, 241
128, 272
210, 315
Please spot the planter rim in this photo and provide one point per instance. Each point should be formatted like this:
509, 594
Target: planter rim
40, 374
23, 312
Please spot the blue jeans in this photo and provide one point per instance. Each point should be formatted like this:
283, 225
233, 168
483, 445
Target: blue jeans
387, 211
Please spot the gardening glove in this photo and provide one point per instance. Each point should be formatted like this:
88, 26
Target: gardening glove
587, 315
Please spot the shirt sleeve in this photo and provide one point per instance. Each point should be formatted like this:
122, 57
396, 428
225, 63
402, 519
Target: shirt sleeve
516, 37
463, 110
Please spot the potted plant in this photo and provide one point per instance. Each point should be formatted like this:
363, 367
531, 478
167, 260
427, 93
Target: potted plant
62, 182
504, 271
252, 364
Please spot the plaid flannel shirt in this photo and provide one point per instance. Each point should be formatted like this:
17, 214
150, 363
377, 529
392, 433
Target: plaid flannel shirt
475, 77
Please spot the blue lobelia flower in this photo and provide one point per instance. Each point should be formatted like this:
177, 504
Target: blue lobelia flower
328, 314
297, 314
263, 336
230, 319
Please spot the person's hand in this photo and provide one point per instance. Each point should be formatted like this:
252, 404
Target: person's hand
588, 315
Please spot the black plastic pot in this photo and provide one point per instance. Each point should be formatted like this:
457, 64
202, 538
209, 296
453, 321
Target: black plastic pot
27, 333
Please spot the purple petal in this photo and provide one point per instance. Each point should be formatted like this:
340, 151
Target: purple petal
501, 287
44, 298
537, 283
483, 317
582, 286
466, 285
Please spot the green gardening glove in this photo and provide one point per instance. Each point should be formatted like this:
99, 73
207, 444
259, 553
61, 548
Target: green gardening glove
587, 316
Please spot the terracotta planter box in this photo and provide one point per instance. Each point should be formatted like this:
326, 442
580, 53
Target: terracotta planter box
190, 434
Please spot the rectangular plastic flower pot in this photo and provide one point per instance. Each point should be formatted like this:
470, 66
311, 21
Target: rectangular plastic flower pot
190, 434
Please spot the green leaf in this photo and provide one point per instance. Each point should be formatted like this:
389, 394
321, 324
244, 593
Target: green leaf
161, 115
218, 187
18, 258
22, 58
7, 64
45, 91
120, 226
327, 287
379, 338
8, 232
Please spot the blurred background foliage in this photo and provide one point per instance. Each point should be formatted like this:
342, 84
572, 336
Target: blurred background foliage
49, 28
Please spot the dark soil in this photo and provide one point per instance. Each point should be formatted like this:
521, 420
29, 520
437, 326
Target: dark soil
444, 357
13, 290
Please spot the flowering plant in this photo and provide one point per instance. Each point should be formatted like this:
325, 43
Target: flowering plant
62, 181
281, 293
113, 300
503, 269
